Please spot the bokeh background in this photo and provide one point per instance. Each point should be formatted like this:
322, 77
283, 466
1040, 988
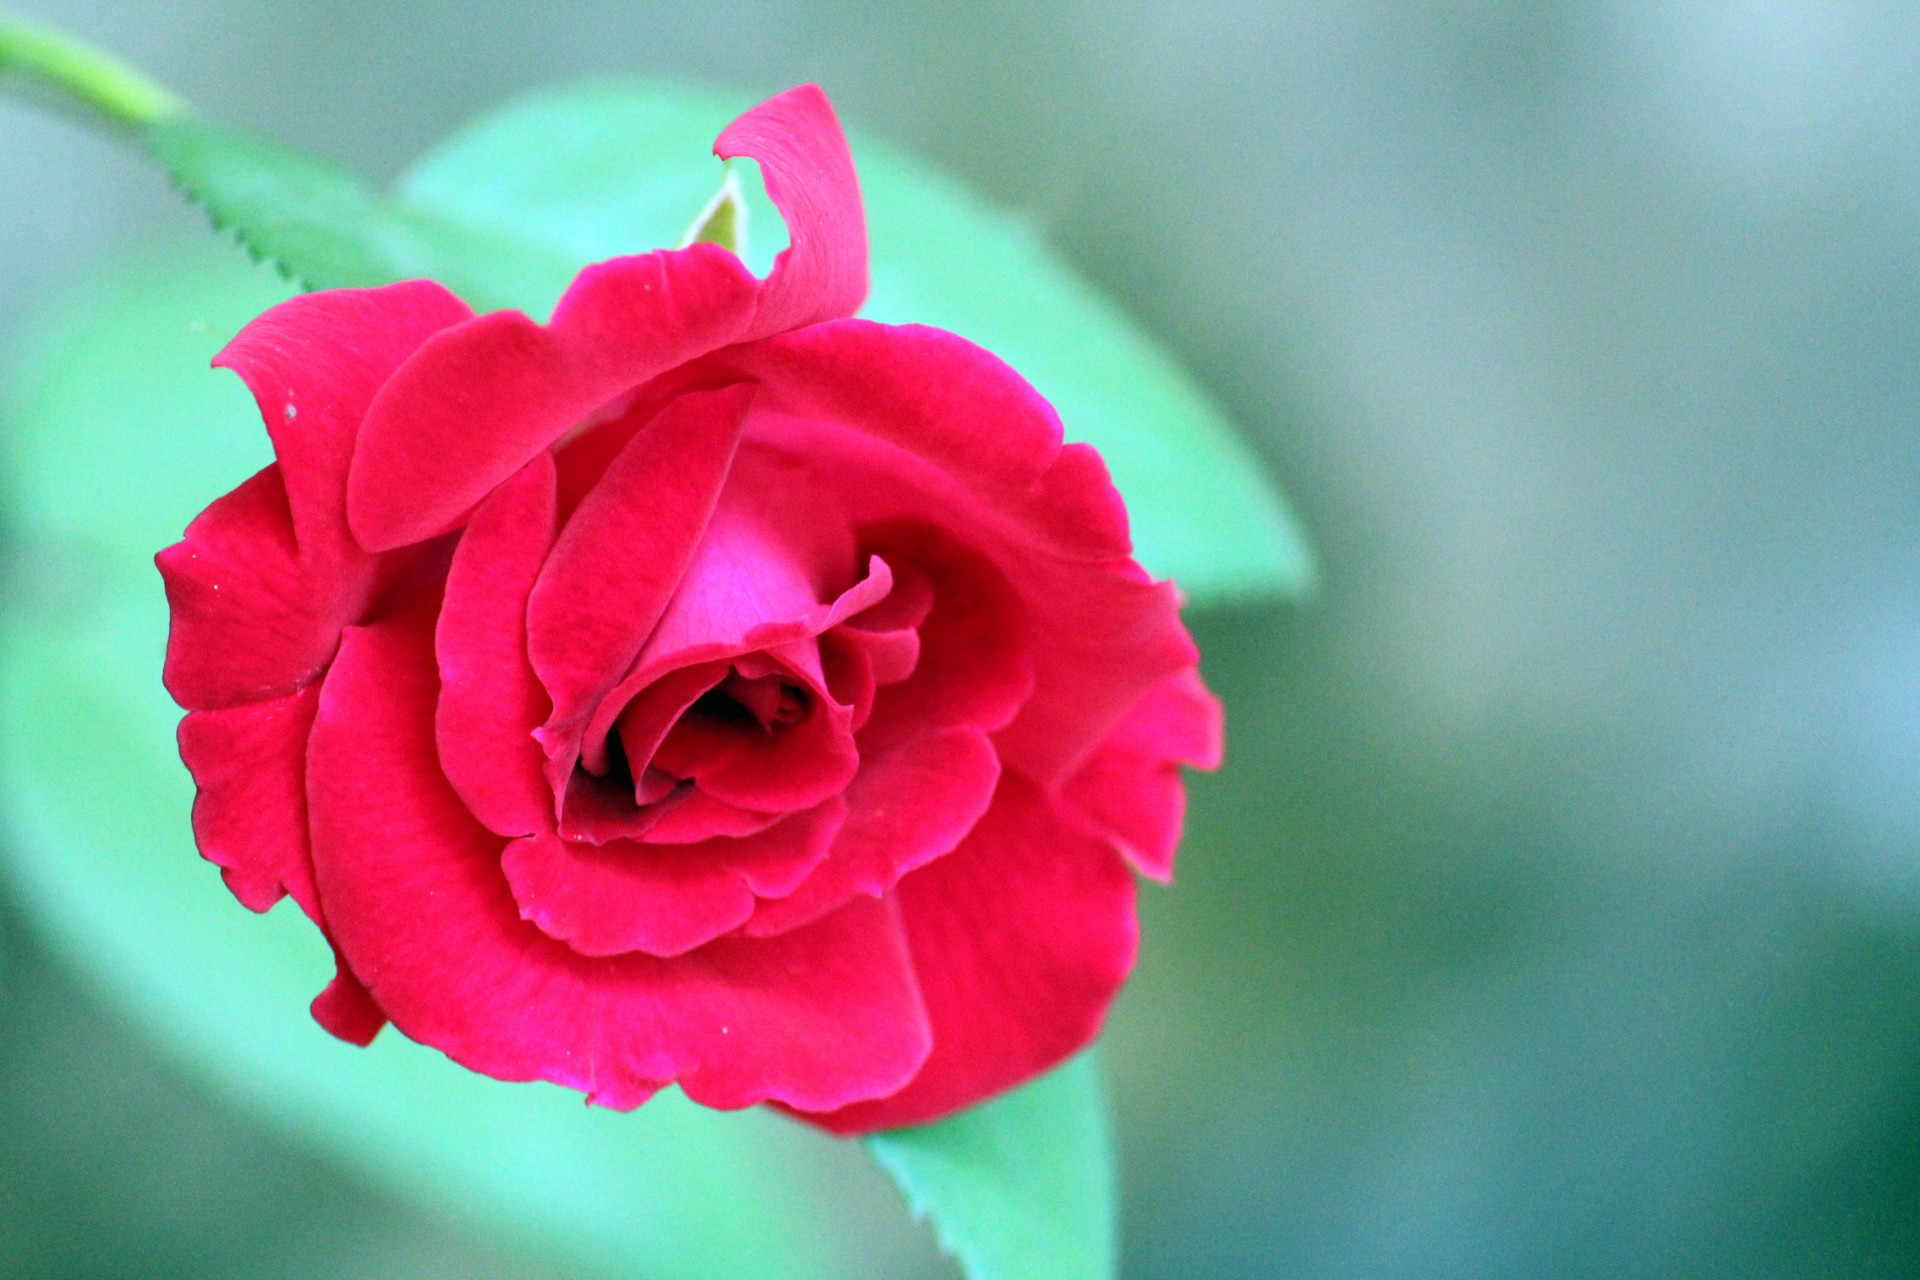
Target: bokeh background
1558, 912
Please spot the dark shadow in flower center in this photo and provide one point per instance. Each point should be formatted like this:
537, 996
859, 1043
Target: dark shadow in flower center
737, 717
723, 710
619, 774
738, 702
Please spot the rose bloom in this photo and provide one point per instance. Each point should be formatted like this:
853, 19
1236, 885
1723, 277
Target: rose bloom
704, 687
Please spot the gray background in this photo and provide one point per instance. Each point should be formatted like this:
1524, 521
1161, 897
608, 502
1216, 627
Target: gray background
1559, 911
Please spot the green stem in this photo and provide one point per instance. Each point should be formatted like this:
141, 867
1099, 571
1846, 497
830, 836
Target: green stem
82, 76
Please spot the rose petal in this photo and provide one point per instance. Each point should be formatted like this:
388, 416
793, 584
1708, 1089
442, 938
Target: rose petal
905, 410
663, 899
848, 670
345, 1008
623, 554
1106, 637
905, 608
602, 810
490, 700
249, 763
314, 364
700, 817
651, 716
761, 780
779, 546
660, 721
610, 899
250, 623
266, 577
817, 1018
792, 638
1021, 937
975, 664
955, 418
822, 274
776, 860
888, 634
917, 423
777, 770
480, 399
907, 807
1130, 786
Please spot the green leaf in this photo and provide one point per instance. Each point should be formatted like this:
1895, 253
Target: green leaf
1021, 1188
326, 229
119, 434
508, 209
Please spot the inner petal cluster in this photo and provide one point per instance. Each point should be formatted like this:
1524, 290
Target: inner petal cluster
709, 778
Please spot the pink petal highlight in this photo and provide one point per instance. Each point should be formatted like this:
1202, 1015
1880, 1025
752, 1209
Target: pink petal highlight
778, 548
621, 557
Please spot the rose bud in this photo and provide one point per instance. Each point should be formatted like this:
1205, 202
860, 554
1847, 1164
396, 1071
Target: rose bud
704, 687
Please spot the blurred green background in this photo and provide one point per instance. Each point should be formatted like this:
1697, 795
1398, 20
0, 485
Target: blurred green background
1558, 912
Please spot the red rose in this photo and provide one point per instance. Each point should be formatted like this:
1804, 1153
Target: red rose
703, 687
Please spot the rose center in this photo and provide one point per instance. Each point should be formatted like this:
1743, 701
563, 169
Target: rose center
738, 715
766, 703
718, 746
